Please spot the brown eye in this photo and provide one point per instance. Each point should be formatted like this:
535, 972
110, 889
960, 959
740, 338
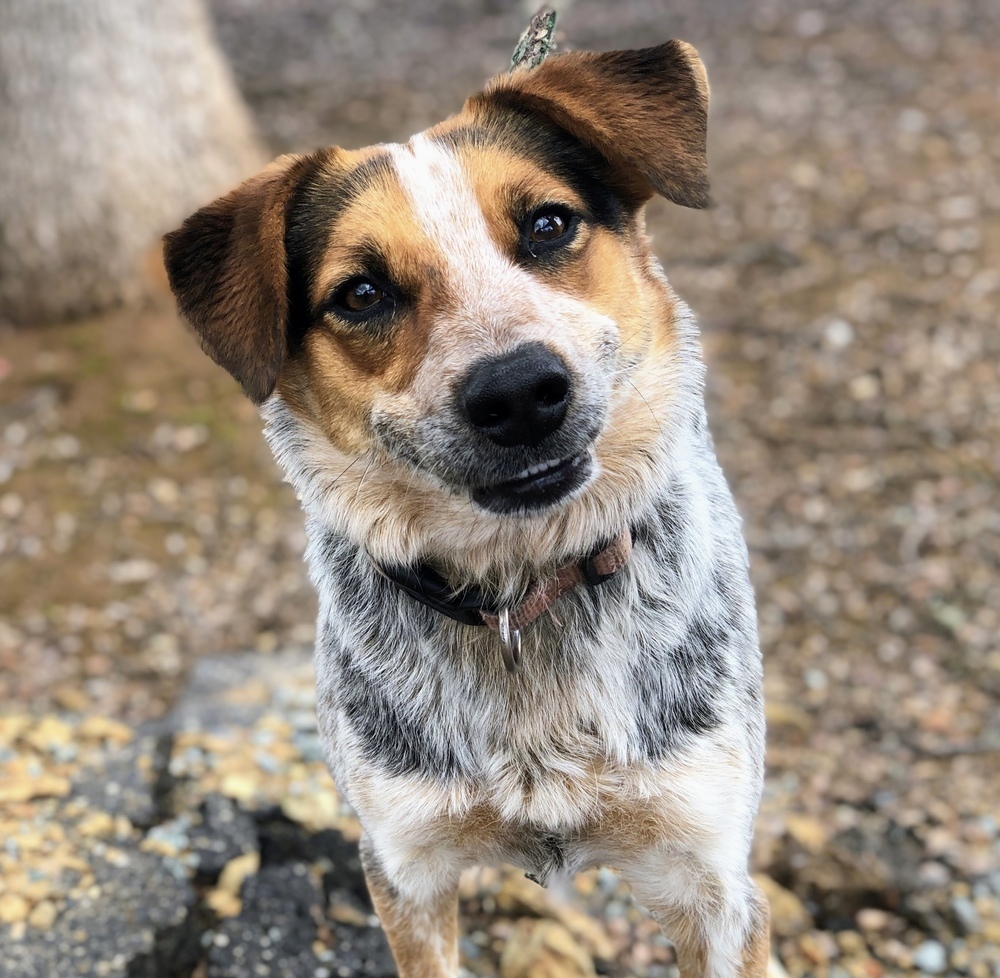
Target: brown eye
547, 230
548, 227
359, 295
362, 295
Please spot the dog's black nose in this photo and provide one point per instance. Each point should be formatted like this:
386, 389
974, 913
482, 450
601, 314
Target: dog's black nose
519, 398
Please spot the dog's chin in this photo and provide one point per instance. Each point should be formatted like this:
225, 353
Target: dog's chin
539, 488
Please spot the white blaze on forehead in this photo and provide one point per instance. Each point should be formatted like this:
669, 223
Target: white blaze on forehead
445, 205
492, 298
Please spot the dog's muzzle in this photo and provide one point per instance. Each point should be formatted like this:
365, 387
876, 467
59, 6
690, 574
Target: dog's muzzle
524, 407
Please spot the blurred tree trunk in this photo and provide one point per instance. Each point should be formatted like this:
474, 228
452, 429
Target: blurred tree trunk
117, 118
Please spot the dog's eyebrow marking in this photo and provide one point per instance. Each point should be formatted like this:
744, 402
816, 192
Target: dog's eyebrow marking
312, 216
548, 147
319, 201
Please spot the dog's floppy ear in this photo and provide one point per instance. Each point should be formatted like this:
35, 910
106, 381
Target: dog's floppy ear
227, 268
645, 112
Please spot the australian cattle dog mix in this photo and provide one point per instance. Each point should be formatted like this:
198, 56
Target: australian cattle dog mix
537, 639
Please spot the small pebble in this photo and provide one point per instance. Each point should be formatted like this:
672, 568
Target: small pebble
966, 913
872, 919
931, 957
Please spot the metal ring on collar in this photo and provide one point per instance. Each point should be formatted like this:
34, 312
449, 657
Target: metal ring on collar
510, 641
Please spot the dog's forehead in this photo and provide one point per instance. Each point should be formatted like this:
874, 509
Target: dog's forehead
447, 200
437, 187
457, 200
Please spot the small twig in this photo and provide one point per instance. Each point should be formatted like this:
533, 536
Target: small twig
535, 42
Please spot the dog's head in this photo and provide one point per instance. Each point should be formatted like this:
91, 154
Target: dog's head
474, 315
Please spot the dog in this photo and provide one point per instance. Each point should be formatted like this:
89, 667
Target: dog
537, 638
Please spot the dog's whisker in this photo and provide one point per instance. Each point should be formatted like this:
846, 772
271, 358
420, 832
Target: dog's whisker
648, 405
330, 486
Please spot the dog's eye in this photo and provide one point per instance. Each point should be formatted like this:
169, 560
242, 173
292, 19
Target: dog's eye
548, 227
358, 295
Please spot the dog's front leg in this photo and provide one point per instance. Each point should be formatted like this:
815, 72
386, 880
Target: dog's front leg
718, 926
422, 927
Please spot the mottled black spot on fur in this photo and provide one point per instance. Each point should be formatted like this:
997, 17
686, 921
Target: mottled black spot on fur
382, 622
390, 738
330, 547
664, 535
737, 616
379, 613
677, 690
722, 581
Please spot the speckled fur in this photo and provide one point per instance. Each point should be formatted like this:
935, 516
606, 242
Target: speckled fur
633, 734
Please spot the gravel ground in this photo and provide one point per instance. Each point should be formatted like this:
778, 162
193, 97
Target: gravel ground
848, 288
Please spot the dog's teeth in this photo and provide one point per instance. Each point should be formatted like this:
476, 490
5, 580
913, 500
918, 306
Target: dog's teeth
536, 469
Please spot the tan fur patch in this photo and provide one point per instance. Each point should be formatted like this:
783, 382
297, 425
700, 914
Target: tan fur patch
341, 369
758, 948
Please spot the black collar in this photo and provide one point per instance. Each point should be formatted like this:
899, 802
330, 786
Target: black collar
424, 584
470, 606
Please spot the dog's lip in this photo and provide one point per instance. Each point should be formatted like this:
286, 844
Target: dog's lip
539, 485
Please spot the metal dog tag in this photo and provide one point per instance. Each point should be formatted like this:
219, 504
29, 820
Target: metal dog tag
510, 641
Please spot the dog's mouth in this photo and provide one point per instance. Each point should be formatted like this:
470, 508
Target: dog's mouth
537, 487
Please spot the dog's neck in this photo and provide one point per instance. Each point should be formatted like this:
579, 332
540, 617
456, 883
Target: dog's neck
473, 606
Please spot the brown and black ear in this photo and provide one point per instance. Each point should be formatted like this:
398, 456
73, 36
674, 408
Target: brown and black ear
227, 269
645, 112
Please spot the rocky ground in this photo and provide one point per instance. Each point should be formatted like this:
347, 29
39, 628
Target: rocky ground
848, 288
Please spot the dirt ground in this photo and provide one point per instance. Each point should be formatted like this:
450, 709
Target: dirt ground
847, 284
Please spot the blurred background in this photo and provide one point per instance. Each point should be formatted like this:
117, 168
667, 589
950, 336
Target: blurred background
847, 284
